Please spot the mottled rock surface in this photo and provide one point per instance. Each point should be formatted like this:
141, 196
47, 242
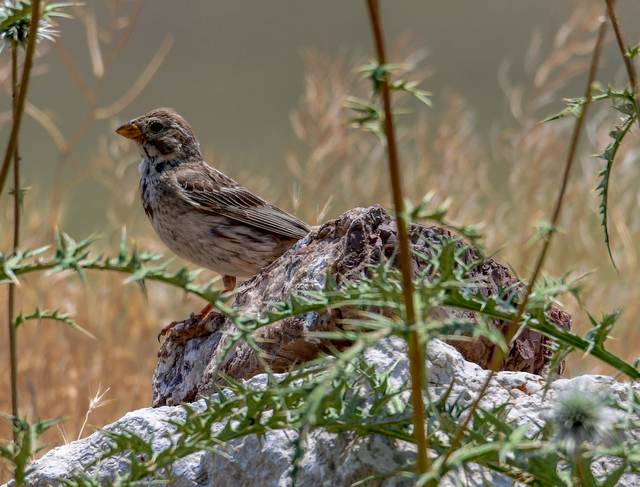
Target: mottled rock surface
344, 247
330, 459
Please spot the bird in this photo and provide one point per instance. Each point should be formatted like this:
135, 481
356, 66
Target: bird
199, 213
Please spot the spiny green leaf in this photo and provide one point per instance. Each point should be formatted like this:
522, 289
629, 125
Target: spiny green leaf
55, 315
601, 330
410, 87
609, 154
75, 256
574, 105
544, 230
574, 108
18, 454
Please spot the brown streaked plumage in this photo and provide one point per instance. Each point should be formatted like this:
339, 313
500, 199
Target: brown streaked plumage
202, 215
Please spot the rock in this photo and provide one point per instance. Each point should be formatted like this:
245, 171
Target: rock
344, 246
331, 459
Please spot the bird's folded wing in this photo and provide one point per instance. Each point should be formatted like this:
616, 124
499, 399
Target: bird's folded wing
239, 204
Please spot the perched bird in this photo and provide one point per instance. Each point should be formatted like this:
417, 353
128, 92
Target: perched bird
202, 215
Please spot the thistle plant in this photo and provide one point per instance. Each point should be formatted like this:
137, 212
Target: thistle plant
343, 393
471, 433
15, 28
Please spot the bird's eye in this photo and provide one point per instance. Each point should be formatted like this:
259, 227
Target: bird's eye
155, 127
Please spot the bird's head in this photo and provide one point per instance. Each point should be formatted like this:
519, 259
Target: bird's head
163, 136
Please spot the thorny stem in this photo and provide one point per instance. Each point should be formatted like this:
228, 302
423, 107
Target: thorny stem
199, 291
13, 352
513, 326
415, 354
24, 85
16, 156
625, 56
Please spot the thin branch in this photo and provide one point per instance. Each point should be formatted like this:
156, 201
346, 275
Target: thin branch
17, 193
513, 326
24, 86
415, 355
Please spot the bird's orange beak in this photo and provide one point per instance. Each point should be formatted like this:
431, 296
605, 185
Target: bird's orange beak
129, 130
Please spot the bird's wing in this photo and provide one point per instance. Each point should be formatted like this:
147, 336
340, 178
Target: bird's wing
210, 191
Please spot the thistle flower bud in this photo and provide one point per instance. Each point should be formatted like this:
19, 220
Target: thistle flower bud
581, 416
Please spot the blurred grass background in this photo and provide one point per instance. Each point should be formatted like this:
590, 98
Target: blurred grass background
264, 86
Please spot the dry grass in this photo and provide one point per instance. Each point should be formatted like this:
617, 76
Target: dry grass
508, 179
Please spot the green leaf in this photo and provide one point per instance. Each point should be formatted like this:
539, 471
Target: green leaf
55, 315
20, 452
609, 154
601, 330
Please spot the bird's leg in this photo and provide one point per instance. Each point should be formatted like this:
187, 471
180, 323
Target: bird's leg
229, 283
203, 313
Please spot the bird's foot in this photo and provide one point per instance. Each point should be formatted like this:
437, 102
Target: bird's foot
195, 322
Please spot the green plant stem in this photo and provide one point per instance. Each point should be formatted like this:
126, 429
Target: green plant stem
13, 346
513, 326
415, 353
617, 29
24, 86
13, 353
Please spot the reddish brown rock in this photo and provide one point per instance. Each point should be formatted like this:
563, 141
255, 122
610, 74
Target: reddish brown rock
346, 247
